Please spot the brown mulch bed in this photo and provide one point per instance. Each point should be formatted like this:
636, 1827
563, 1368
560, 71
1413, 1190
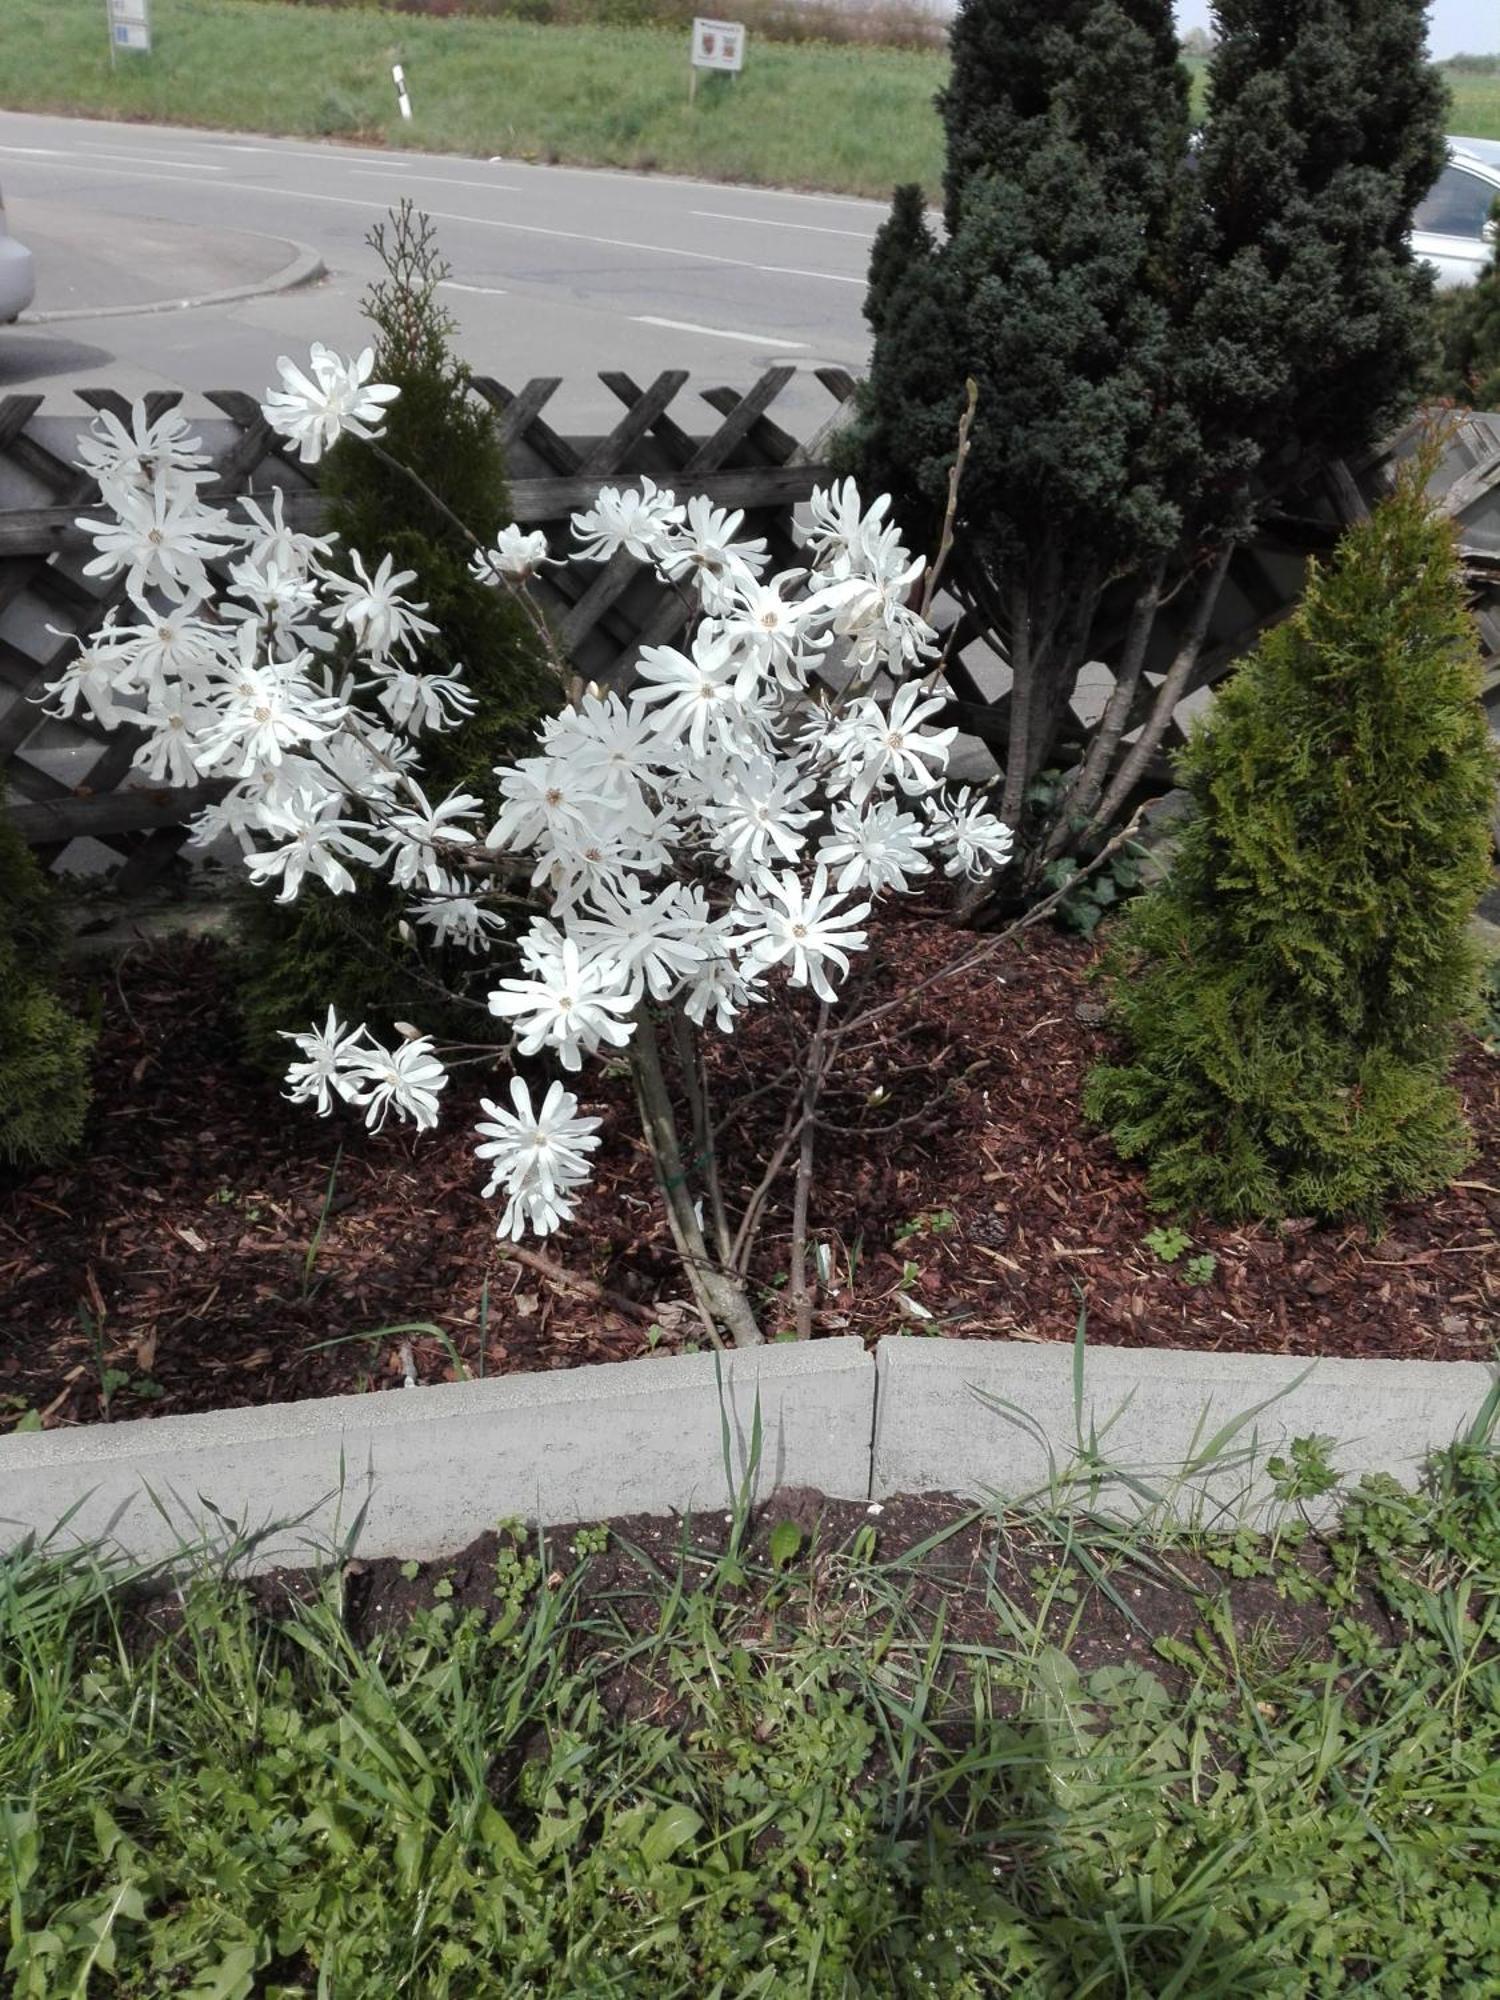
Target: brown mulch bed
182, 1249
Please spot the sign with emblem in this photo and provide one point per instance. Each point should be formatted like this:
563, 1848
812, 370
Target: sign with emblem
719, 45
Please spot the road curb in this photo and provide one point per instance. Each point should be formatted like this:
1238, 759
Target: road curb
1193, 1429
303, 269
421, 1472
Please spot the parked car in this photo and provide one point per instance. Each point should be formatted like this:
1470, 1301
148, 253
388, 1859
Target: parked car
16, 280
1453, 230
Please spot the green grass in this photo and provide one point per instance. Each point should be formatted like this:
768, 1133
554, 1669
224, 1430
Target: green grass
805, 115
752, 1766
800, 115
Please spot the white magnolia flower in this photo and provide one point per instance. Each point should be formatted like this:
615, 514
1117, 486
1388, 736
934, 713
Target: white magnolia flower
421, 703
270, 543
781, 922
842, 531
94, 678
314, 408
458, 920
405, 1080
653, 939
703, 551
172, 753
636, 521
319, 841
542, 799
146, 454
871, 747
417, 830
374, 610
703, 698
539, 1157
158, 539
324, 1071
572, 1005
264, 712
977, 841
875, 849
774, 628
515, 556
757, 808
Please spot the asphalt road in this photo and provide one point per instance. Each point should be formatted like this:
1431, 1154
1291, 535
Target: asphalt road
555, 270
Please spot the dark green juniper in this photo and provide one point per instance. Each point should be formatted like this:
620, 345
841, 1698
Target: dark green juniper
352, 950
1165, 337
44, 1051
1292, 991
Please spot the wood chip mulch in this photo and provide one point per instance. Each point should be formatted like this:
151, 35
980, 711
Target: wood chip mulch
181, 1251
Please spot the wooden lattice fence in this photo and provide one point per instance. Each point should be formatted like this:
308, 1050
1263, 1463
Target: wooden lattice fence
68, 781
71, 780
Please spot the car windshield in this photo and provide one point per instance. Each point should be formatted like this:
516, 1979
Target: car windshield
1458, 206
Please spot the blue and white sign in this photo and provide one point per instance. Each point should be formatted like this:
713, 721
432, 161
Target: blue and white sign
130, 25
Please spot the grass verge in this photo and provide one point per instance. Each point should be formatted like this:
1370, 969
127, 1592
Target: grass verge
853, 119
934, 1752
857, 120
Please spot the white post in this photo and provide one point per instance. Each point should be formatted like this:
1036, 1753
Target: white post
402, 99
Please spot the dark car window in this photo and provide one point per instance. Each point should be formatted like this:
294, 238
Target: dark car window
1458, 206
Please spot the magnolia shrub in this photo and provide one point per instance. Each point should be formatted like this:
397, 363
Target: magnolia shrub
727, 825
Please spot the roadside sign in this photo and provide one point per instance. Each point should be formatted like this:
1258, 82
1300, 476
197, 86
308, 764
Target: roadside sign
719, 45
129, 25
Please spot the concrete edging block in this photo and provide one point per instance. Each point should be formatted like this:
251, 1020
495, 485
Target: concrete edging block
433, 1468
1152, 1410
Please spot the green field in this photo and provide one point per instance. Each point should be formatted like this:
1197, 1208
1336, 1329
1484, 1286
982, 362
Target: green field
801, 115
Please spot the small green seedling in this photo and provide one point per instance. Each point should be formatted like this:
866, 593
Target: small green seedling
1201, 1270
786, 1541
1307, 1472
930, 1222
1167, 1245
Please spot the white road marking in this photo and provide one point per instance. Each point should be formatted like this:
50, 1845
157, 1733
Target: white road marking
484, 291
437, 180
152, 159
765, 222
718, 332
494, 222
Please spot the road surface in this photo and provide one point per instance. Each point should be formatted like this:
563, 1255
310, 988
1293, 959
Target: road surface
555, 270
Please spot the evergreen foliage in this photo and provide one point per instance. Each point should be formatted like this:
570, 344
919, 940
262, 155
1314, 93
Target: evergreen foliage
1164, 334
350, 950
44, 1080
1467, 325
1289, 996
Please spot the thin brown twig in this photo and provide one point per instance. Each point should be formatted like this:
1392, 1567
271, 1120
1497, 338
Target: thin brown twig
557, 1274
1001, 938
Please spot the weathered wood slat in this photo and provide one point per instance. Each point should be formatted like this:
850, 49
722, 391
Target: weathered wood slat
74, 815
610, 452
39, 531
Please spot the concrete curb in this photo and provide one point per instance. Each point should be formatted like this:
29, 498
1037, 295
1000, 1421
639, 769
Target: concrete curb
429, 1469
304, 269
423, 1471
1152, 1412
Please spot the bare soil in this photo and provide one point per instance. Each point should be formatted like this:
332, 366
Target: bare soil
215, 1246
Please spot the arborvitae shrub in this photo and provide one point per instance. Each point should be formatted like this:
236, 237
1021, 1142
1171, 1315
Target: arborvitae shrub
1290, 995
44, 1051
1466, 322
346, 950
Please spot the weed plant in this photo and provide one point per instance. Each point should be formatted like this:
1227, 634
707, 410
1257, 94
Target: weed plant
778, 1764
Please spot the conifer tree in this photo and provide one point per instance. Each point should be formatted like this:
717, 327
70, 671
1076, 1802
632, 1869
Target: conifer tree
353, 950
44, 1050
1289, 996
1165, 337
